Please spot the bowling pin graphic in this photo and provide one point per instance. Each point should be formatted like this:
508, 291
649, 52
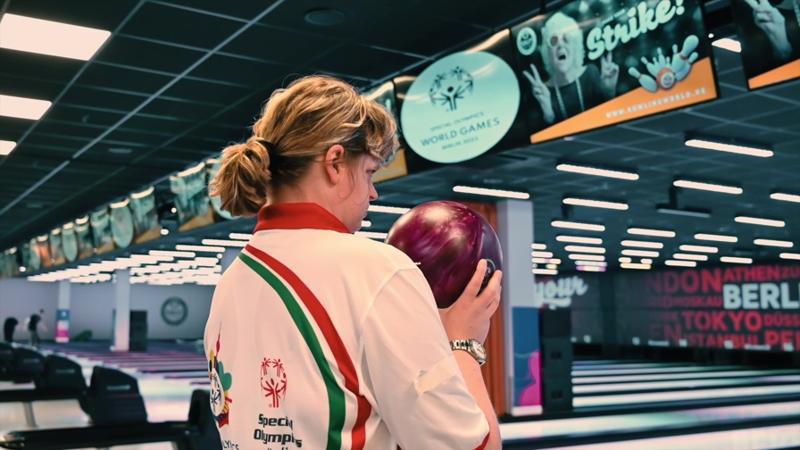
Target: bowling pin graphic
647, 82
682, 61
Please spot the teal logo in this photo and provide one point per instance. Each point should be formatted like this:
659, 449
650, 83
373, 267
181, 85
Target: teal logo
460, 107
526, 41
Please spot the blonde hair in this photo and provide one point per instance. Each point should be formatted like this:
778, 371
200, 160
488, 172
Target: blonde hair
297, 124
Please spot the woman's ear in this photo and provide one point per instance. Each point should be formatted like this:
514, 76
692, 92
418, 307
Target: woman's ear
334, 160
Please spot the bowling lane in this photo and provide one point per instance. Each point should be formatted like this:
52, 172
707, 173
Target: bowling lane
681, 376
780, 437
685, 384
571, 428
679, 396
683, 368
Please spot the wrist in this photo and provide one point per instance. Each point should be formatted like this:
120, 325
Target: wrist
470, 346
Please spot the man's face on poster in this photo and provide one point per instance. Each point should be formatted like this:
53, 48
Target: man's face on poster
563, 45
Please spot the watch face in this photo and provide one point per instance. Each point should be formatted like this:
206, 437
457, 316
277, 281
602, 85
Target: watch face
478, 350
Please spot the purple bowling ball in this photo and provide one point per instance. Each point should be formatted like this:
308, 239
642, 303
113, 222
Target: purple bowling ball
446, 240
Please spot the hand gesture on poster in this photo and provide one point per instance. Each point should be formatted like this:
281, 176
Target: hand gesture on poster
609, 74
541, 93
773, 24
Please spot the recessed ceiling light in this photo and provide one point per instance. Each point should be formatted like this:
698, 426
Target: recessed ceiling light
372, 234
794, 256
785, 197
591, 263
646, 261
699, 248
690, 257
6, 147
583, 257
224, 242
721, 188
729, 44
386, 209
491, 192
651, 232
541, 254
540, 260
574, 201
120, 150
579, 239
736, 260
773, 243
199, 248
640, 253
586, 170
635, 266
545, 272
325, 17
577, 225
624, 259
678, 263
730, 148
715, 237
642, 244
366, 223
587, 268
538, 246
241, 236
22, 107
697, 213
584, 249
761, 221
50, 38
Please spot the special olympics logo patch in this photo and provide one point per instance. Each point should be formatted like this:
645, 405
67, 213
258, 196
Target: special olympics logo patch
273, 381
448, 88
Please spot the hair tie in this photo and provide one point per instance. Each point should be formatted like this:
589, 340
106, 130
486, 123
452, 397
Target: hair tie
267, 145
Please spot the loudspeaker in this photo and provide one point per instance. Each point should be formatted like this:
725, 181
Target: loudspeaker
555, 322
556, 356
557, 393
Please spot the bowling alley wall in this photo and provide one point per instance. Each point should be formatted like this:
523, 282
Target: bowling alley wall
753, 307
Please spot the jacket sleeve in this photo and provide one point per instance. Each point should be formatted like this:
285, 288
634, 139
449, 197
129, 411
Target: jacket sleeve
418, 387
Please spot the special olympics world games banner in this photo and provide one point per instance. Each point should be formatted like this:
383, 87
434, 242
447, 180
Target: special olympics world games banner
462, 106
595, 63
144, 216
751, 307
581, 293
770, 38
191, 197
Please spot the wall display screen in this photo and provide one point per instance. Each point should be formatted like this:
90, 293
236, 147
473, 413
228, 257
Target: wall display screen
191, 198
595, 63
145, 216
751, 307
101, 231
770, 38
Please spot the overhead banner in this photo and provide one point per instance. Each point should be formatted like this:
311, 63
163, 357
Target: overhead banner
751, 307
145, 216
42, 247
213, 166
770, 39
83, 236
69, 242
9, 266
102, 238
463, 105
57, 247
595, 63
580, 293
396, 166
121, 223
191, 198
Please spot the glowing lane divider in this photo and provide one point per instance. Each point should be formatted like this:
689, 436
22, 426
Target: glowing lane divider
679, 376
679, 384
673, 396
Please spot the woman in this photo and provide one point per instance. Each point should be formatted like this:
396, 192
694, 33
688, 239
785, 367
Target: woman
321, 339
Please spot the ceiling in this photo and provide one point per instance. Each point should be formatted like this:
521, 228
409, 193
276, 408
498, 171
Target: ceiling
180, 79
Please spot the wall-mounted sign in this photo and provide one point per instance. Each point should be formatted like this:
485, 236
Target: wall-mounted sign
174, 311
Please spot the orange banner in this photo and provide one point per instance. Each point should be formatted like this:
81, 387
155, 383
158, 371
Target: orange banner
698, 87
782, 73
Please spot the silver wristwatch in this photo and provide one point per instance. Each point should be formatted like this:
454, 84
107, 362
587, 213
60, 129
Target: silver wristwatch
471, 346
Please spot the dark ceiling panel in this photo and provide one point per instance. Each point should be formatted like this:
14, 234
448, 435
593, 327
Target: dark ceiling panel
95, 14
241, 9
122, 79
358, 60
268, 43
132, 52
36, 67
245, 72
179, 26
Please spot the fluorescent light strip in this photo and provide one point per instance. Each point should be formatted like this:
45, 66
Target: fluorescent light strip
625, 259
586, 170
651, 232
584, 249
22, 107
585, 268
579, 239
729, 44
584, 257
491, 192
591, 263
552, 266
736, 260
6, 147
698, 248
721, 188
143, 194
554, 261
224, 242
642, 244
640, 253
541, 254
366, 224
50, 38
679, 263
716, 237
199, 248
573, 201
775, 195
577, 225
636, 266
386, 209
690, 257
773, 243
372, 234
537, 246
240, 236
540, 260
545, 271
683, 212
646, 261
730, 148
794, 256
760, 221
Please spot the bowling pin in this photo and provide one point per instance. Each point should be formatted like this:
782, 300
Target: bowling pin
647, 82
680, 61
651, 66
